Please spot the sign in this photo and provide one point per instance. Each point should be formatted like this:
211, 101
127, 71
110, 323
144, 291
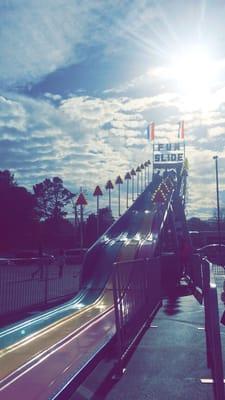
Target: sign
109, 185
118, 180
81, 201
97, 191
168, 153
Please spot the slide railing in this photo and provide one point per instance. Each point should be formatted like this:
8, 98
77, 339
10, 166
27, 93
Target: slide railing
137, 294
212, 330
201, 278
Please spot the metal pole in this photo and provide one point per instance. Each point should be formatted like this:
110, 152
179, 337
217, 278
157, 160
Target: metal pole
110, 199
132, 188
119, 199
218, 201
138, 183
81, 227
75, 224
127, 191
45, 266
98, 216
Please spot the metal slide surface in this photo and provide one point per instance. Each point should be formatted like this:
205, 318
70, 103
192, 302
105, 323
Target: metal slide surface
39, 355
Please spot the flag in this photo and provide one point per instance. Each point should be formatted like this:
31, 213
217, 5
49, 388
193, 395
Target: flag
181, 130
151, 131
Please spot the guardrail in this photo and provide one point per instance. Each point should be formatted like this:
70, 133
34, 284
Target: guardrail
200, 273
137, 297
212, 330
29, 283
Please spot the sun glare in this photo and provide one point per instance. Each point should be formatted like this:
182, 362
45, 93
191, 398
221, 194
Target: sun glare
194, 71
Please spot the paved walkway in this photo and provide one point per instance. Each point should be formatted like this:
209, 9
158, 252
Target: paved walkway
170, 360
168, 363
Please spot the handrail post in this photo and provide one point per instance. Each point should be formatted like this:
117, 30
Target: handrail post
206, 286
212, 331
116, 299
45, 266
217, 367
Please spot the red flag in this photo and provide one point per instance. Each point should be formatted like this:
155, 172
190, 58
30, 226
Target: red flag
151, 131
152, 136
181, 130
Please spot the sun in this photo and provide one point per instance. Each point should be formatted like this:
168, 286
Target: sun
194, 72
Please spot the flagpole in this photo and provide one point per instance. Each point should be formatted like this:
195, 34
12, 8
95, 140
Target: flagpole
181, 135
151, 137
153, 146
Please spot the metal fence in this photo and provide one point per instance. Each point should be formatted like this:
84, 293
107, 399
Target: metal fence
137, 297
218, 270
201, 274
28, 283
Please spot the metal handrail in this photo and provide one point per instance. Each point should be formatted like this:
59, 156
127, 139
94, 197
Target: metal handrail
212, 330
135, 301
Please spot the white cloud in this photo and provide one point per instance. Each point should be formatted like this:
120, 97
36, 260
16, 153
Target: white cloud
38, 37
87, 140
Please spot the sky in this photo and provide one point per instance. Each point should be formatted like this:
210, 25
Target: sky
80, 81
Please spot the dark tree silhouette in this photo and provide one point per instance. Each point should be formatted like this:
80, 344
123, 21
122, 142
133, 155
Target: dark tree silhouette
7, 180
57, 236
51, 198
106, 218
17, 214
91, 230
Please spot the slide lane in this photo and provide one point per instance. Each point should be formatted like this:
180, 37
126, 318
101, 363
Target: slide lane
44, 376
96, 271
93, 307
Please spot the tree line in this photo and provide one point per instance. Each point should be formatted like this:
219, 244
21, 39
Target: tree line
37, 220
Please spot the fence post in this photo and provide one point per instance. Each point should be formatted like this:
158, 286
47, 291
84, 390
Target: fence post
45, 266
217, 365
212, 331
117, 299
147, 289
206, 286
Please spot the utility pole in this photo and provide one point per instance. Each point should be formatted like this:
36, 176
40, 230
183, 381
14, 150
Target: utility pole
218, 200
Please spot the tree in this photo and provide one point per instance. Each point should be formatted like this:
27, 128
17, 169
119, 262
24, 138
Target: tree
7, 180
106, 218
91, 230
17, 214
51, 198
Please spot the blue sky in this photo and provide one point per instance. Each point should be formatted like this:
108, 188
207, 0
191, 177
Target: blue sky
81, 80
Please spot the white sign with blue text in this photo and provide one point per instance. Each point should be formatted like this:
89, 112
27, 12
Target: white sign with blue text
168, 153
